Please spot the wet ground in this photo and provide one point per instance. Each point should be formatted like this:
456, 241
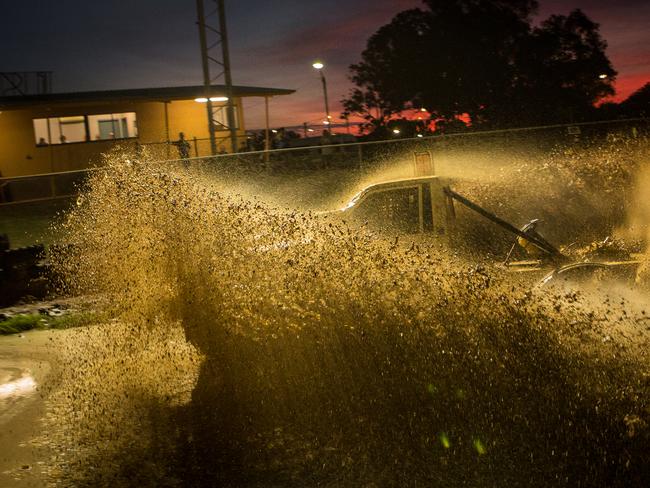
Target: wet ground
24, 369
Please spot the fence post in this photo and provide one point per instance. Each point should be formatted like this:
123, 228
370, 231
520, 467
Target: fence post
52, 186
196, 147
360, 154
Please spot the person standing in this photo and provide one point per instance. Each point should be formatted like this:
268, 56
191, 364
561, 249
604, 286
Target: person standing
183, 146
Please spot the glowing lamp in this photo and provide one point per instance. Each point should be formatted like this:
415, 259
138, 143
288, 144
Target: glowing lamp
212, 99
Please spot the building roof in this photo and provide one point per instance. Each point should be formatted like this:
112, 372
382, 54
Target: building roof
137, 95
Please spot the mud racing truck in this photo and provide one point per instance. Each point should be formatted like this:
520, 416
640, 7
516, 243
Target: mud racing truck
427, 205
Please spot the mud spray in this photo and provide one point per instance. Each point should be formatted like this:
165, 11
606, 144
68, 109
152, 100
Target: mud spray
638, 223
252, 347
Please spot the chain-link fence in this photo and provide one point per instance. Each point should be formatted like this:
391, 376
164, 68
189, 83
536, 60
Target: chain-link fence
320, 176
517, 171
34, 188
198, 147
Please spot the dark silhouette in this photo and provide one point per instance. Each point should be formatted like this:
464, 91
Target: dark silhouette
399, 129
482, 58
280, 140
637, 104
183, 146
5, 190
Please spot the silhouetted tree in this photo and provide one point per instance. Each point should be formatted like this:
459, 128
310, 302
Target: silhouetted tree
608, 111
637, 104
482, 58
450, 126
562, 71
397, 128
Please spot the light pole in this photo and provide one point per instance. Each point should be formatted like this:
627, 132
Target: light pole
318, 65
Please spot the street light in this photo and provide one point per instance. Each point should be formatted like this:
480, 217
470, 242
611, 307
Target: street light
318, 65
602, 76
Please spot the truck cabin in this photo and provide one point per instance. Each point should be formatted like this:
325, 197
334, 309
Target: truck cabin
426, 204
407, 206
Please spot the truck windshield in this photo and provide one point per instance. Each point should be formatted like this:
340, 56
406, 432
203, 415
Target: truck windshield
394, 210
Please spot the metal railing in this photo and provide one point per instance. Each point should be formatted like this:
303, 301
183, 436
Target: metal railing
348, 156
20, 83
42, 187
369, 153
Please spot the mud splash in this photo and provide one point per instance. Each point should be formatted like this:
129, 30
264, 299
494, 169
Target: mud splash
253, 347
638, 223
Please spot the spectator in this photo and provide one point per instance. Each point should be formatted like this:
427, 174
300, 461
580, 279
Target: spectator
5, 191
183, 146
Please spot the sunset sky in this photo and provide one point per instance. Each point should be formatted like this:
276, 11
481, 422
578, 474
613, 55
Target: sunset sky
115, 44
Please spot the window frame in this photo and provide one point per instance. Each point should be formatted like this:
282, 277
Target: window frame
121, 117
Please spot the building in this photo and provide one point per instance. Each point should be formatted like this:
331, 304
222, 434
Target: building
59, 132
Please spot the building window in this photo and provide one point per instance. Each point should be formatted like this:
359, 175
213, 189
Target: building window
221, 117
83, 128
112, 126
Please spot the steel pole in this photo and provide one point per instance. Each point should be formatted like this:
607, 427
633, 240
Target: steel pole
206, 75
267, 139
226, 69
166, 105
327, 105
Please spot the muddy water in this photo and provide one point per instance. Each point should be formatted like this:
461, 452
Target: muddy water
253, 347
24, 369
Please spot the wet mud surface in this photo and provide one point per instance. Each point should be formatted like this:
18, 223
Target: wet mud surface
25, 367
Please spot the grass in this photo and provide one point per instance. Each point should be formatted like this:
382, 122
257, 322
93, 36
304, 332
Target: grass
25, 322
75, 320
20, 323
30, 223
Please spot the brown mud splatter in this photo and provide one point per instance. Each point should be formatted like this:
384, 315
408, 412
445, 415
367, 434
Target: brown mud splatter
253, 347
